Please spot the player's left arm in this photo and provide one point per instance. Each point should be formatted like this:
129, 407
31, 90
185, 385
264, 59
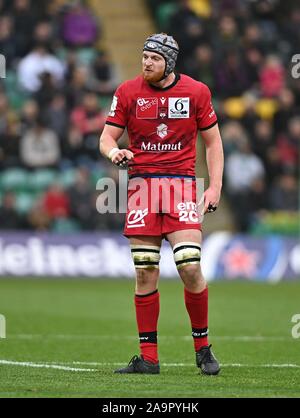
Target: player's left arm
215, 165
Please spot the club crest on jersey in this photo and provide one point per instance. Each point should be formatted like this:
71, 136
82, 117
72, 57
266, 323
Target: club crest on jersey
162, 130
163, 112
147, 108
179, 107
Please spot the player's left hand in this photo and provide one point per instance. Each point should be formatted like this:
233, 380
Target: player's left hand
211, 198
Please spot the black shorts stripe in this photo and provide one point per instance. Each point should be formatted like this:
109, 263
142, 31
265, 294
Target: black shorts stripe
186, 246
114, 124
146, 250
208, 127
148, 337
146, 263
187, 260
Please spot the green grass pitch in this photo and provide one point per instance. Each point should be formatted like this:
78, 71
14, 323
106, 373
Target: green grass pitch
65, 338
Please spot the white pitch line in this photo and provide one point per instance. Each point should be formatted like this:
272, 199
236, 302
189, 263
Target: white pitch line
191, 364
240, 338
45, 366
62, 365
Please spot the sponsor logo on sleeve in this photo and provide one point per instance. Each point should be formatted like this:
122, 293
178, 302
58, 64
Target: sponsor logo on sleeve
179, 107
113, 107
212, 113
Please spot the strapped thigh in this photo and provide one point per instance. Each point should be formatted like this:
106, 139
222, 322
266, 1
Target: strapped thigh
145, 256
186, 253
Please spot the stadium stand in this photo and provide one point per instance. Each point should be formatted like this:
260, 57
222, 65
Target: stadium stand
59, 84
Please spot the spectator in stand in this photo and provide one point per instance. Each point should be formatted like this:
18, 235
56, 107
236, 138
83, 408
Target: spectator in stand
10, 143
253, 62
201, 65
232, 134
288, 144
226, 37
253, 37
89, 119
290, 29
287, 108
79, 26
263, 139
57, 116
271, 77
231, 79
242, 169
46, 91
4, 112
25, 20
76, 88
43, 33
9, 217
29, 114
56, 202
7, 39
37, 62
81, 198
284, 194
40, 146
104, 72
192, 34
37, 217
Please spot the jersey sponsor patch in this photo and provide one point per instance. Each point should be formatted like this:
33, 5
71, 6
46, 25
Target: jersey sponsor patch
135, 218
179, 107
113, 106
147, 108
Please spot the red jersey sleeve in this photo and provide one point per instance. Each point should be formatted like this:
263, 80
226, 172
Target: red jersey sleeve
206, 116
118, 114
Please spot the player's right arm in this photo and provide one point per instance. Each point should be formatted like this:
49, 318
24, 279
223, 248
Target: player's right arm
108, 145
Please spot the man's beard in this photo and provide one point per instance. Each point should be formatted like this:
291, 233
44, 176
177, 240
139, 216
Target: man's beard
153, 77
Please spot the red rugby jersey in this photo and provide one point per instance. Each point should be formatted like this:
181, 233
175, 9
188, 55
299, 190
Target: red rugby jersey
162, 124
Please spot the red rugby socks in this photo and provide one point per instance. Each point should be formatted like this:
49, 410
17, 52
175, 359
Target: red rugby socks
147, 312
197, 307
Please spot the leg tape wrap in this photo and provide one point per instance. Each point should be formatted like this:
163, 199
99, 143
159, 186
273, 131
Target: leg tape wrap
145, 256
186, 253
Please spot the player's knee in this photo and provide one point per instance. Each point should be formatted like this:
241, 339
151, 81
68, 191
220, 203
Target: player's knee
145, 277
190, 272
192, 277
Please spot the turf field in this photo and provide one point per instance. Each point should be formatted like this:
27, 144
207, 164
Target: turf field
65, 338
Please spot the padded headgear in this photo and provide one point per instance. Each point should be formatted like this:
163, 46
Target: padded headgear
166, 46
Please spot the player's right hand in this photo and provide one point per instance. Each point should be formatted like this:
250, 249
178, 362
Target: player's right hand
121, 157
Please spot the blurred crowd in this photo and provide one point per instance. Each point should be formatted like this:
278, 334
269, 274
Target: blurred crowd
58, 88
53, 105
243, 49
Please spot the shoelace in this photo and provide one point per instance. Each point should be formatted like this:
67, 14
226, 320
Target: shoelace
208, 355
133, 360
